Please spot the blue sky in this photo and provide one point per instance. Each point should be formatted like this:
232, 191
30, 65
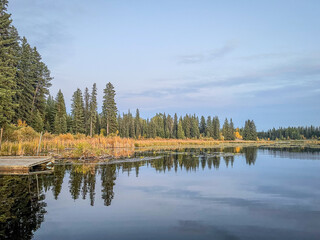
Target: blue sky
239, 59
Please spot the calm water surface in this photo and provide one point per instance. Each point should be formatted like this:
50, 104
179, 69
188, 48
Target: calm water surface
187, 194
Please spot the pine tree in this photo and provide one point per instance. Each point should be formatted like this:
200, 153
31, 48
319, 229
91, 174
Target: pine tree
49, 115
109, 109
25, 83
187, 126
250, 131
60, 121
203, 126
93, 109
180, 133
225, 129
87, 110
137, 124
37, 122
77, 110
194, 131
216, 128
98, 124
169, 126
8, 63
209, 127
69, 124
253, 131
175, 126
231, 130
42, 79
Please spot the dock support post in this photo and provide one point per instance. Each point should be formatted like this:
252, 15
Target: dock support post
1, 133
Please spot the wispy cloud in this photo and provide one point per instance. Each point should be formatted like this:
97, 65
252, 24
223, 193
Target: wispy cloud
207, 56
293, 81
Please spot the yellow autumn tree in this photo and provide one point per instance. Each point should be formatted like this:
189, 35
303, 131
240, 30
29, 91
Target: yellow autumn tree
237, 134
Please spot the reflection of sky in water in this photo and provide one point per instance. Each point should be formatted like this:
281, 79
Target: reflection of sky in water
272, 199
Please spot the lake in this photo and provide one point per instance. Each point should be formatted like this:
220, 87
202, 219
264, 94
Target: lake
207, 193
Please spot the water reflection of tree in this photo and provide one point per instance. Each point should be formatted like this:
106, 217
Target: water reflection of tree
22, 206
250, 155
228, 160
82, 181
108, 178
58, 177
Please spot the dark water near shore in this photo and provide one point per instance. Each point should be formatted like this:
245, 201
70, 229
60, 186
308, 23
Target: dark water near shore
233, 193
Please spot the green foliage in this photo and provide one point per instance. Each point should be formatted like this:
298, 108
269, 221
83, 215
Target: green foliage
49, 114
87, 110
109, 109
37, 122
77, 109
137, 124
250, 131
203, 126
216, 128
180, 133
8, 64
309, 132
228, 130
93, 110
60, 121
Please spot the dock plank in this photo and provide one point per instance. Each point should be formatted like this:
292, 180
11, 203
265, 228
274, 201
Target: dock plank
23, 163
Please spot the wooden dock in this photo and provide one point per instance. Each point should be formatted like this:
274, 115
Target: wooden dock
23, 164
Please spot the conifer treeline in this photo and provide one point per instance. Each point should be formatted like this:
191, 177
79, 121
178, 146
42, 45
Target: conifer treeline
24, 78
297, 133
85, 119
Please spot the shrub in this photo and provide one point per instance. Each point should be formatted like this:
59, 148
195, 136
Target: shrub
25, 134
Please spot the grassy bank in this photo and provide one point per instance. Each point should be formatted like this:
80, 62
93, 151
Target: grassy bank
69, 146
25, 141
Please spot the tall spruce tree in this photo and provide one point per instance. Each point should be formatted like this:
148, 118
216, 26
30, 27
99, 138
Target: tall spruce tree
209, 127
109, 109
8, 63
25, 83
137, 124
250, 131
175, 126
77, 110
49, 115
203, 126
93, 109
194, 131
225, 130
87, 110
42, 79
60, 121
180, 132
216, 128
231, 130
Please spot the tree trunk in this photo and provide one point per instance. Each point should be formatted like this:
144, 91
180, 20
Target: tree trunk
91, 128
1, 137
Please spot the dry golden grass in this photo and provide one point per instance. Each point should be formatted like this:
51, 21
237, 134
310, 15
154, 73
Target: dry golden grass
158, 142
68, 145
25, 141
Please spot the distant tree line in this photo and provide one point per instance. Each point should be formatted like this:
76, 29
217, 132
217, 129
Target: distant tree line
294, 133
85, 119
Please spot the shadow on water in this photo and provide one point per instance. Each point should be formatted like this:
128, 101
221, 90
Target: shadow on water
22, 205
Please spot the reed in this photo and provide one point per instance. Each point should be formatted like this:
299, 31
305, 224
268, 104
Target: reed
67, 145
